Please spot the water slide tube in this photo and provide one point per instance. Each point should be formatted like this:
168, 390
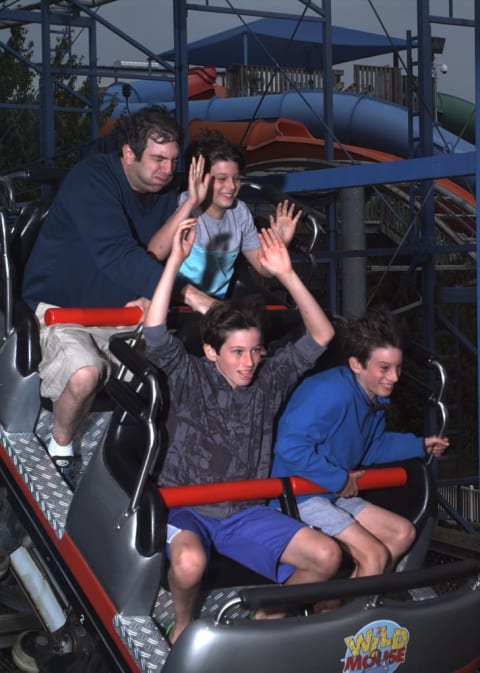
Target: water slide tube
357, 120
201, 84
457, 115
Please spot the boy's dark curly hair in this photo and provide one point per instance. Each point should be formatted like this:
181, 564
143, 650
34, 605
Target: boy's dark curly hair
214, 147
378, 328
150, 122
231, 315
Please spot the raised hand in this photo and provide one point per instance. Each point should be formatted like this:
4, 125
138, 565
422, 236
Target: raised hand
183, 240
284, 222
198, 183
273, 253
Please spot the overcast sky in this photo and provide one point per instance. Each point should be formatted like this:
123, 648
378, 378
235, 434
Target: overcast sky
150, 22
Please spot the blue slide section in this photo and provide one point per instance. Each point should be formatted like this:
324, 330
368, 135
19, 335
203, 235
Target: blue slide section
363, 121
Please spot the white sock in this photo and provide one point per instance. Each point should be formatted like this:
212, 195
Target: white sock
55, 449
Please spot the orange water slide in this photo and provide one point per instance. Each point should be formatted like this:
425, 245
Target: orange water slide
283, 138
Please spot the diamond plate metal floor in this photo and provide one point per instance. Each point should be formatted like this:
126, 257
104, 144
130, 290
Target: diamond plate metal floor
142, 634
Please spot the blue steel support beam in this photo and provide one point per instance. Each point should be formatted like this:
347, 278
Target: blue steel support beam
260, 13
47, 107
477, 173
426, 111
26, 16
404, 170
427, 214
92, 78
181, 66
331, 209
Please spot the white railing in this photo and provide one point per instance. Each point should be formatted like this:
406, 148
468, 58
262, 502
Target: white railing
465, 500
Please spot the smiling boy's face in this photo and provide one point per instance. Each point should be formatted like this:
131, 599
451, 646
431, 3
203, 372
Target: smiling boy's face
224, 187
239, 356
380, 373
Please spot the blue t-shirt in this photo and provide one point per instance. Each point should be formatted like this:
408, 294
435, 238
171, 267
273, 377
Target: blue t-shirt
217, 245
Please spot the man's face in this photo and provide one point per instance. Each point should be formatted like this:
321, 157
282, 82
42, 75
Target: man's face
224, 187
239, 356
156, 168
380, 373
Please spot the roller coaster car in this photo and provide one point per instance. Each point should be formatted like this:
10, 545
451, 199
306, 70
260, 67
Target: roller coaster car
99, 553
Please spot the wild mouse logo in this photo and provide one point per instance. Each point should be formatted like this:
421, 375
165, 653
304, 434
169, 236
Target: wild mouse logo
378, 646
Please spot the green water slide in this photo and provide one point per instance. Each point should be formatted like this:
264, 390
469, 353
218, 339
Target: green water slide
457, 115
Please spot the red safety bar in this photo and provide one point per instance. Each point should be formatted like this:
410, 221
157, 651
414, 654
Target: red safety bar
262, 489
100, 317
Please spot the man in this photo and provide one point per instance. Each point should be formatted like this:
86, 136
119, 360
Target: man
91, 251
220, 427
333, 424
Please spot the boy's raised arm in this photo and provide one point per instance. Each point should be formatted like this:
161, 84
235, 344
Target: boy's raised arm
198, 181
275, 258
181, 246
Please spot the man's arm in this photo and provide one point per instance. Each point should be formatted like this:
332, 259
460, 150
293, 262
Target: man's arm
276, 260
181, 247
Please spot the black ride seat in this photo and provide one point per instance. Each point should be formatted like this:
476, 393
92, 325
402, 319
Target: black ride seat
20, 346
117, 518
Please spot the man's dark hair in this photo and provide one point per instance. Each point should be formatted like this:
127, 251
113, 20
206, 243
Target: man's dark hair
231, 315
154, 122
214, 147
378, 328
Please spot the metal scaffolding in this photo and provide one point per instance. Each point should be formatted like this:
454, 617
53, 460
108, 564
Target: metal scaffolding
422, 167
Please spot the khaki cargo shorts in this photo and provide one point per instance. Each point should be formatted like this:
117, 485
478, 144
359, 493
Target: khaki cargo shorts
67, 348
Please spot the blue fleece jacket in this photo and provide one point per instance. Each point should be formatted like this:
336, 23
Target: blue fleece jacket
91, 249
330, 426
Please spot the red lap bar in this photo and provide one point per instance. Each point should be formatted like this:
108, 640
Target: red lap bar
111, 316
258, 489
91, 317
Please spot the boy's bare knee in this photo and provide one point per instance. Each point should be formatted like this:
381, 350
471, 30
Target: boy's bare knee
374, 559
188, 564
406, 537
328, 555
317, 553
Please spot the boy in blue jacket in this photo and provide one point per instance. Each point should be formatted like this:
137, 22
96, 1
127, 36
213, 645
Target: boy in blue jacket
334, 423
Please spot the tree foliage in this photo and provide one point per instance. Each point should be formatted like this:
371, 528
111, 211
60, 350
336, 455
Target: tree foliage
18, 124
20, 117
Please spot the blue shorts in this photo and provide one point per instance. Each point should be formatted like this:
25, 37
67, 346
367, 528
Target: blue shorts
331, 516
256, 537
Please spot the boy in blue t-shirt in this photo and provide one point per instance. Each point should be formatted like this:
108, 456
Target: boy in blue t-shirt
225, 226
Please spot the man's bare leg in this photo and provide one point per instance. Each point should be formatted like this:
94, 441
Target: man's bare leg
74, 404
